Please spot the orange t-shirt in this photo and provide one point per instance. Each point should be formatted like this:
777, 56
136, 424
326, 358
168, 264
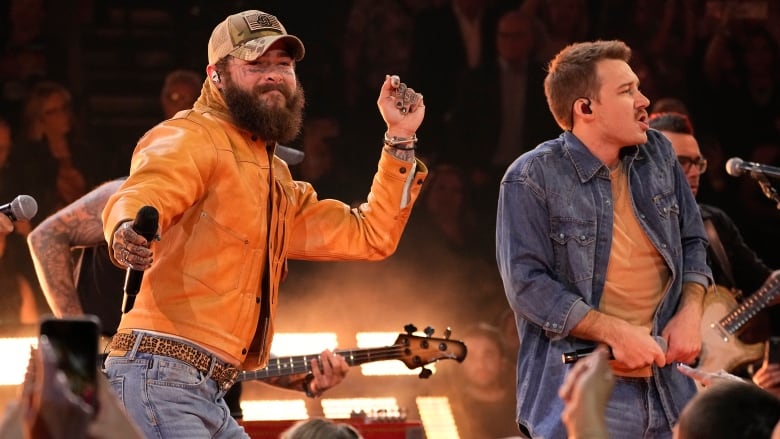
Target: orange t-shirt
637, 276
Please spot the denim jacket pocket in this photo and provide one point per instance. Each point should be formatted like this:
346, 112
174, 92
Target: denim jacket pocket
574, 247
666, 204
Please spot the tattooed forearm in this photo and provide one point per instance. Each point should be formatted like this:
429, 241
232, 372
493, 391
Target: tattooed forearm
406, 155
51, 243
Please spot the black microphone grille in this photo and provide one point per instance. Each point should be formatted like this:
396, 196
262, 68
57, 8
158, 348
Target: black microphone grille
24, 207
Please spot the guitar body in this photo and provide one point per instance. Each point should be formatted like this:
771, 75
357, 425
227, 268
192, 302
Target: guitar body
721, 349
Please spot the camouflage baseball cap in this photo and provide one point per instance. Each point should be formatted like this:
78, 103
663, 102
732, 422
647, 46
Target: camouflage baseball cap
248, 34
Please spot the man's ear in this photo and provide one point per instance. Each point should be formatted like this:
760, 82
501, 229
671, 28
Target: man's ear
213, 74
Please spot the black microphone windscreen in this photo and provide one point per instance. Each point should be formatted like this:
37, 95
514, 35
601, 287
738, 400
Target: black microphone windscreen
146, 222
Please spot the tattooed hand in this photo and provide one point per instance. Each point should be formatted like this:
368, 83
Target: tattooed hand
131, 249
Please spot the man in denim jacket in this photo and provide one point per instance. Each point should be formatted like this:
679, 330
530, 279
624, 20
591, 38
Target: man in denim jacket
599, 240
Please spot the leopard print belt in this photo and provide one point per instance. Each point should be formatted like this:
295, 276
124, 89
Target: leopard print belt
223, 373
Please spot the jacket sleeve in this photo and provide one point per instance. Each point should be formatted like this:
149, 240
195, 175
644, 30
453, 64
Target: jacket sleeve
332, 230
166, 172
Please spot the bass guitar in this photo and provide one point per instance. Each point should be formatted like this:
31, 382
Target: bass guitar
413, 351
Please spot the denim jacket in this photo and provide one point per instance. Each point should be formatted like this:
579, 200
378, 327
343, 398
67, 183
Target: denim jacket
553, 240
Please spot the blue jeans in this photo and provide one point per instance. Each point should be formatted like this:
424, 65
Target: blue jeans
170, 399
635, 412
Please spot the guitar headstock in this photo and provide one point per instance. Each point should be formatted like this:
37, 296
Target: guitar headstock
419, 351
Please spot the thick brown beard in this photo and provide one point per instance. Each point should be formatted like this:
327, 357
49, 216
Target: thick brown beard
269, 122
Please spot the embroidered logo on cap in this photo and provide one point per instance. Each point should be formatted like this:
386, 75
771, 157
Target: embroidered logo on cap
257, 22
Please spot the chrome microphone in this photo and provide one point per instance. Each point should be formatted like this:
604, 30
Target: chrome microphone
735, 167
22, 208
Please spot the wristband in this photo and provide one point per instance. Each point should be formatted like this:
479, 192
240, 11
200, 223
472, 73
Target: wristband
395, 142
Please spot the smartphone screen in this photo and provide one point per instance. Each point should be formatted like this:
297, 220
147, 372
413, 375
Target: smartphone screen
75, 342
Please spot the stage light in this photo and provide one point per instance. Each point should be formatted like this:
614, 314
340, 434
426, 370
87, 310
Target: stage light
436, 417
15, 353
270, 410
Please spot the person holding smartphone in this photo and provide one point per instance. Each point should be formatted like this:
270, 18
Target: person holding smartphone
50, 407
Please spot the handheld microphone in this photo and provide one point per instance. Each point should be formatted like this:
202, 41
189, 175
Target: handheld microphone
735, 167
145, 224
573, 356
22, 208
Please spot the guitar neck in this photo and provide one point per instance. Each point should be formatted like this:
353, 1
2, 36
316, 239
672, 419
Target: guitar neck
302, 364
751, 306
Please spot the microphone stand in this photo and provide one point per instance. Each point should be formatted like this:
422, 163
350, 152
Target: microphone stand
766, 187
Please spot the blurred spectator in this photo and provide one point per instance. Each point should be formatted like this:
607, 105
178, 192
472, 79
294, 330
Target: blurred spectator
48, 409
449, 39
505, 99
562, 22
23, 60
742, 70
728, 407
50, 157
729, 410
377, 42
317, 428
482, 398
179, 91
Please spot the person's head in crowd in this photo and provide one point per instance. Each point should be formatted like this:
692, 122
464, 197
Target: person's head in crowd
47, 112
179, 91
594, 83
317, 428
515, 37
484, 368
229, 56
729, 410
678, 129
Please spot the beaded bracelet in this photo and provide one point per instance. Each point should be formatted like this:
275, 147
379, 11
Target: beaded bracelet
394, 141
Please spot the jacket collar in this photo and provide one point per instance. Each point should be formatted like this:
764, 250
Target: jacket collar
211, 101
586, 164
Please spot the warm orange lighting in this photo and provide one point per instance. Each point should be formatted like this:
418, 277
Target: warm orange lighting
15, 353
436, 417
302, 343
343, 408
271, 410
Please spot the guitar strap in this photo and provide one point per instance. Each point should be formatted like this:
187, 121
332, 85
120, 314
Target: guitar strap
720, 255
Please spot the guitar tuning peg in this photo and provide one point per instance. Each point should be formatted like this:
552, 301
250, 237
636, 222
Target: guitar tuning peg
410, 329
425, 373
429, 331
447, 333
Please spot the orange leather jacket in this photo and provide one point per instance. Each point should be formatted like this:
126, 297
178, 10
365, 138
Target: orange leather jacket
230, 212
